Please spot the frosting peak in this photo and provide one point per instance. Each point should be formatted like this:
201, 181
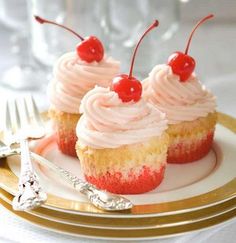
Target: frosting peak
72, 78
107, 122
181, 101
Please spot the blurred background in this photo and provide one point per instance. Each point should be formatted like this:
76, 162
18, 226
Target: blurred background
28, 49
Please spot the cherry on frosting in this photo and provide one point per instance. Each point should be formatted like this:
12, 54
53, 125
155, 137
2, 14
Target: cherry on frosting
181, 63
126, 86
89, 49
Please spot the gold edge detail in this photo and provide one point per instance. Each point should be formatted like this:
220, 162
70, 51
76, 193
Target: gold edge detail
107, 233
227, 191
151, 222
9, 183
227, 121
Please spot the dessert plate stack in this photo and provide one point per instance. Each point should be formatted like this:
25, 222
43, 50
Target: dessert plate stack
192, 196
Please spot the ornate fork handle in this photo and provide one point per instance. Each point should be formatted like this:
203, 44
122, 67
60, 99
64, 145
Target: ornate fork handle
101, 199
30, 194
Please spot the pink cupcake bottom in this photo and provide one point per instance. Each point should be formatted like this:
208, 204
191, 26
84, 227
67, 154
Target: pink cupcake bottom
190, 150
147, 180
64, 125
192, 140
66, 141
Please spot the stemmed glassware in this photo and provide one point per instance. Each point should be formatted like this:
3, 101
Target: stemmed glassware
116, 23
123, 22
25, 74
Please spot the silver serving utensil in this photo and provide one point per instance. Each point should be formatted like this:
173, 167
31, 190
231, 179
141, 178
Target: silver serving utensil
20, 125
101, 199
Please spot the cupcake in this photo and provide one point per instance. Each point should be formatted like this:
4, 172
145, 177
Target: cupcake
189, 106
122, 146
74, 74
190, 111
72, 78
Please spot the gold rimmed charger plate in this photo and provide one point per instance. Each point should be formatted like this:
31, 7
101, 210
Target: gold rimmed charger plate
121, 234
128, 223
227, 121
9, 182
226, 192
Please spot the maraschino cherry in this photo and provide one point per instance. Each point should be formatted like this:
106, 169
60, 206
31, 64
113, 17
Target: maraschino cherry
126, 86
181, 63
90, 49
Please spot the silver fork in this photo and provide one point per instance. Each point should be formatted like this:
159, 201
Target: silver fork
22, 123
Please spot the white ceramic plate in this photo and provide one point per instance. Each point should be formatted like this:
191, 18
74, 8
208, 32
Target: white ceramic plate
185, 188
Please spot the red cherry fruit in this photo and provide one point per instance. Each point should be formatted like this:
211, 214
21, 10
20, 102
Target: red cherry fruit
181, 63
126, 86
90, 49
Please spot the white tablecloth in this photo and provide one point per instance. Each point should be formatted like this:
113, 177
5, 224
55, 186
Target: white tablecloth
219, 61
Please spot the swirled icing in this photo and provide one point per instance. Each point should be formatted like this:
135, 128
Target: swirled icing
107, 122
181, 101
72, 78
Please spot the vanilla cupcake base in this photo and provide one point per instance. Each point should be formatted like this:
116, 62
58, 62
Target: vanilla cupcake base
130, 169
191, 141
64, 125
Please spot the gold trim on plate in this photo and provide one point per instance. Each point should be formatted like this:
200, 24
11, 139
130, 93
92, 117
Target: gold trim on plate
119, 234
128, 223
227, 121
9, 182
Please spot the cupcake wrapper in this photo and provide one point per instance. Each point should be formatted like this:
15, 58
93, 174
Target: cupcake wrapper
191, 140
190, 149
147, 180
64, 125
129, 169
66, 140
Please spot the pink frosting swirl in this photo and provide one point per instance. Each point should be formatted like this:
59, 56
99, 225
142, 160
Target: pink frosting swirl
107, 122
73, 78
181, 101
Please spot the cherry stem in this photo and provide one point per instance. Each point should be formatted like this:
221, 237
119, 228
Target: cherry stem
42, 21
155, 24
196, 26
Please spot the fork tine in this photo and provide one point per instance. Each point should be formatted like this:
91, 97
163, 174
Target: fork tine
8, 120
9, 123
19, 122
12, 121
26, 112
35, 110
